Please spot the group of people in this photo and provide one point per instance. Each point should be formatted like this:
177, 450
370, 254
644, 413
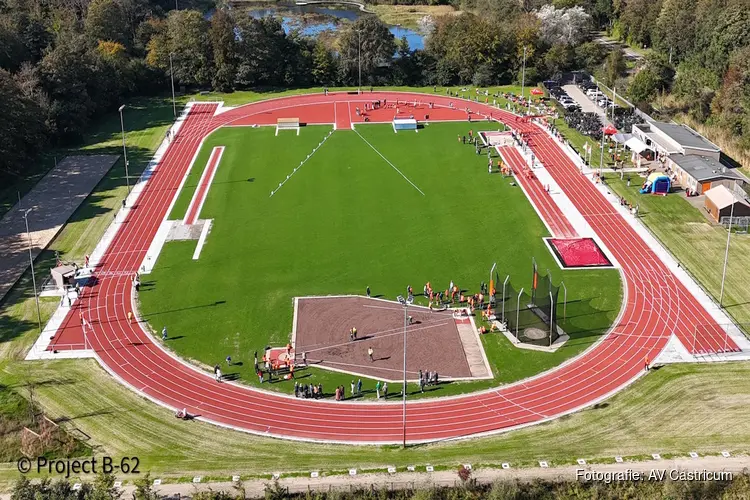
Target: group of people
427, 378
308, 391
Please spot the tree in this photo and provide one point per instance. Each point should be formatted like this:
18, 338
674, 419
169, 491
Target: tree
369, 42
674, 33
614, 67
261, 45
732, 103
563, 26
558, 58
22, 128
104, 21
187, 35
223, 43
637, 20
696, 86
589, 55
324, 65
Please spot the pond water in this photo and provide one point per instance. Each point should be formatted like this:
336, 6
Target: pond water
312, 20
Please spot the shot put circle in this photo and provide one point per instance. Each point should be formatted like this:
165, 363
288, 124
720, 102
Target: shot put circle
535, 334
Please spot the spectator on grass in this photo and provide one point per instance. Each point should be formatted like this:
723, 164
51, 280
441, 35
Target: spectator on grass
164, 333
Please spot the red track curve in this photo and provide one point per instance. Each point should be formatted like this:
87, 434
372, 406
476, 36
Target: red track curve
656, 306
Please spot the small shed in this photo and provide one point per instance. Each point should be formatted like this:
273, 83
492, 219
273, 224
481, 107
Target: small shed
719, 202
63, 276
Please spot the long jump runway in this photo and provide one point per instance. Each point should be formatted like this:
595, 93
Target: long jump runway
656, 306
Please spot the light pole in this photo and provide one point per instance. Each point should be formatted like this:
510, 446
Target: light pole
405, 303
171, 76
523, 71
33, 276
726, 255
124, 151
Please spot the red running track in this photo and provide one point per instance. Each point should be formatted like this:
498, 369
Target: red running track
549, 211
656, 306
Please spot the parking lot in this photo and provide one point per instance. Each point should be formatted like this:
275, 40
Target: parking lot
583, 96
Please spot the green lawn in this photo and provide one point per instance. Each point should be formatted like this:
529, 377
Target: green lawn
696, 243
345, 220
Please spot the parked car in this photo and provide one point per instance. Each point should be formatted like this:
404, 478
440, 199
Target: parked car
593, 93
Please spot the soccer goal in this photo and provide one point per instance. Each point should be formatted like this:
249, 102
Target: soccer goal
287, 124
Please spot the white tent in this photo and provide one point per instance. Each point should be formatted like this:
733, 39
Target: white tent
636, 145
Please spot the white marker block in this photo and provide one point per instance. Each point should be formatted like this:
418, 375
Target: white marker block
279, 184
157, 482
76, 486
725, 454
656, 456
352, 472
287, 177
618, 460
430, 468
197, 479
581, 461
314, 474
505, 465
467, 466
543, 464
235, 479
276, 475
693, 454
411, 468
118, 484
391, 470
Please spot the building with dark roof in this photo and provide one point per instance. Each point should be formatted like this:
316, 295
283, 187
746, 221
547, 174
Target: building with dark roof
701, 173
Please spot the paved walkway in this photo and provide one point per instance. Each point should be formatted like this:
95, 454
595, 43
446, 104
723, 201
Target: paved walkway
402, 480
53, 200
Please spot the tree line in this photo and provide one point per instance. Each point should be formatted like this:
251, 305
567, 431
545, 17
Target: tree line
65, 62
698, 60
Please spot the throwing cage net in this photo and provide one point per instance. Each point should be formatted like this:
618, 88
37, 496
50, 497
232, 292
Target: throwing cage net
530, 314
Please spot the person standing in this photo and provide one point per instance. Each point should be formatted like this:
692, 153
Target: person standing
229, 360
369, 354
86, 261
385, 390
130, 316
377, 389
217, 373
359, 386
647, 363
368, 291
304, 358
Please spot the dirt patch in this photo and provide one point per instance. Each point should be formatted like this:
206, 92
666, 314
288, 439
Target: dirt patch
433, 343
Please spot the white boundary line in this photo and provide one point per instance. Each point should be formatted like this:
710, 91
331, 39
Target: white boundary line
388, 162
202, 239
197, 198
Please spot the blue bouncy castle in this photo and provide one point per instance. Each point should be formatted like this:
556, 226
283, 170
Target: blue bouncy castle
657, 183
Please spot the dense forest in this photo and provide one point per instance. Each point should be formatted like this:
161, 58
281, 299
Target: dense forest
63, 62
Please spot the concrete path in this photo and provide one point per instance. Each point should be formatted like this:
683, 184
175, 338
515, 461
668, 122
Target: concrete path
53, 200
255, 488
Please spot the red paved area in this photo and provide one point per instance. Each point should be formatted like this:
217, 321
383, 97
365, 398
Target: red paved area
433, 343
579, 252
656, 306
548, 210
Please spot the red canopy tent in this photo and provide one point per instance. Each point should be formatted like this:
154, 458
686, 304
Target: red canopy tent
609, 130
536, 91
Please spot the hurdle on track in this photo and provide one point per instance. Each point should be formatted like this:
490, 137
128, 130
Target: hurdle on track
287, 124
